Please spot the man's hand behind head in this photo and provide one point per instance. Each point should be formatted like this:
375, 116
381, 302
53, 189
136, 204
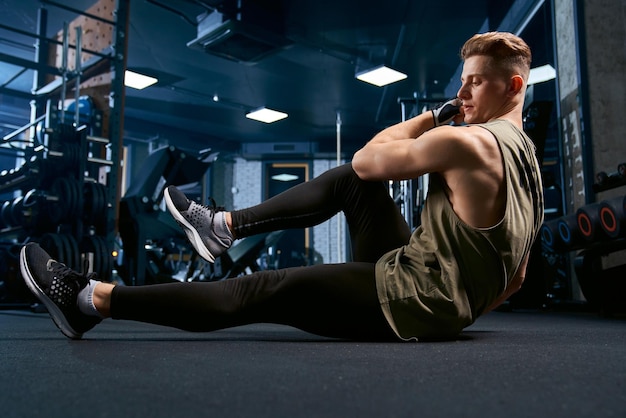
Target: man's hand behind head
447, 112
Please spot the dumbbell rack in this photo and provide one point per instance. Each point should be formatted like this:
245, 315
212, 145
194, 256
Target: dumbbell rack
63, 200
595, 231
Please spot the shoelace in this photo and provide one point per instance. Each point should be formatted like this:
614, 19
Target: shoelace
212, 206
62, 271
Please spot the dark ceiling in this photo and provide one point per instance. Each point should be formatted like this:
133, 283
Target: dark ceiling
312, 80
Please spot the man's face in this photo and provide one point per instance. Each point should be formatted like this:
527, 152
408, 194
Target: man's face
483, 90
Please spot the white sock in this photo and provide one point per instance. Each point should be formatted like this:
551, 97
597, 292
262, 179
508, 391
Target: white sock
85, 300
220, 219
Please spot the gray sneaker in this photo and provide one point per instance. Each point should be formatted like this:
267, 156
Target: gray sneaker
57, 287
205, 226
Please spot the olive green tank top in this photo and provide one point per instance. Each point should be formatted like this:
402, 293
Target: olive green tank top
450, 272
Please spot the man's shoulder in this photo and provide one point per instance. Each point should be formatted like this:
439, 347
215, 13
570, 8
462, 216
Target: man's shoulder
473, 136
498, 126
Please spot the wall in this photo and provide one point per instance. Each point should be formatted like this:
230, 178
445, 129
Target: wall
327, 239
591, 53
605, 33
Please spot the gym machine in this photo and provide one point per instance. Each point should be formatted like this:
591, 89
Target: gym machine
155, 249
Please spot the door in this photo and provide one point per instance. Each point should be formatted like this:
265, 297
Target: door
292, 248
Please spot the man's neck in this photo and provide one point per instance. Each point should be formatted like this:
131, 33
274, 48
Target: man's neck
514, 116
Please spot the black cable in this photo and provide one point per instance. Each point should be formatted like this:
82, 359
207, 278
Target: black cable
170, 9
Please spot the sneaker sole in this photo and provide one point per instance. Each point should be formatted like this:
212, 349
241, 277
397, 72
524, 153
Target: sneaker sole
190, 231
57, 316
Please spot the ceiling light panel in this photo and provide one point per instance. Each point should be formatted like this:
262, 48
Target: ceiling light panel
266, 115
138, 81
381, 76
285, 177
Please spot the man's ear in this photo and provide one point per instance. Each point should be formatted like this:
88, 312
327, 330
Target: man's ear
515, 85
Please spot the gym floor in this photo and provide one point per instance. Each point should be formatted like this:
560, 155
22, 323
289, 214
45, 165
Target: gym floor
514, 364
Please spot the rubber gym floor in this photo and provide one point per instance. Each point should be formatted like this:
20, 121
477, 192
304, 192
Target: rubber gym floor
508, 364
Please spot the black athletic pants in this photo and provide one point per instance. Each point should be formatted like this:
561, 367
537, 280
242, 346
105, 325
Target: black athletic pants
335, 300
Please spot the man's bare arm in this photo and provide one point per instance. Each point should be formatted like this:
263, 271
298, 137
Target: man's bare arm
436, 151
409, 129
416, 126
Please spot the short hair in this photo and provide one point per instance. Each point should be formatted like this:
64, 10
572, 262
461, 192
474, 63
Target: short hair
509, 52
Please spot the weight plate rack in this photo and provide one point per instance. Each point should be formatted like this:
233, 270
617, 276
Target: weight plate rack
47, 198
60, 204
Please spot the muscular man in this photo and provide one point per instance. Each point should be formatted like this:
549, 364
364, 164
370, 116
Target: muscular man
470, 253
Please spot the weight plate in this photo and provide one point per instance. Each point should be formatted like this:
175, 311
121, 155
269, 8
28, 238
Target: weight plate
74, 252
16, 211
71, 199
78, 198
97, 258
102, 251
71, 202
5, 213
31, 210
101, 215
71, 257
60, 247
54, 208
52, 244
89, 199
75, 193
31, 198
47, 243
64, 196
107, 260
67, 258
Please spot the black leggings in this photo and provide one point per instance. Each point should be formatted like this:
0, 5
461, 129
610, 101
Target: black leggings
335, 300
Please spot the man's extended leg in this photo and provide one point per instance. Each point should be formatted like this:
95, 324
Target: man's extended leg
336, 300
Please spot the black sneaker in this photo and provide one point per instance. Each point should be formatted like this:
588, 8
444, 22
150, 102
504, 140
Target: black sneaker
204, 226
57, 286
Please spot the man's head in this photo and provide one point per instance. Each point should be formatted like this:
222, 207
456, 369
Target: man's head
496, 66
508, 53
